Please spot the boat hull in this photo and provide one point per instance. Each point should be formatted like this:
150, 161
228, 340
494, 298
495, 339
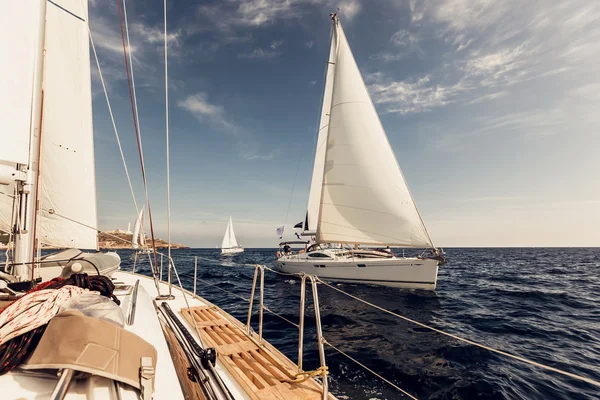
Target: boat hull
409, 273
232, 250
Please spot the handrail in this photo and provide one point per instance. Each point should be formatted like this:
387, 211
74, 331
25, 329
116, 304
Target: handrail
262, 306
133, 303
320, 339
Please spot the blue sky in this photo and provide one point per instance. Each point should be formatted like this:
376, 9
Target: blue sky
491, 108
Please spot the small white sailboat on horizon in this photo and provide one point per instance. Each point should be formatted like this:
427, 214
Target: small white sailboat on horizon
358, 195
229, 245
138, 237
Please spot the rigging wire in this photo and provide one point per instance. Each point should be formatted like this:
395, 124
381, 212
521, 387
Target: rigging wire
471, 342
167, 138
129, 69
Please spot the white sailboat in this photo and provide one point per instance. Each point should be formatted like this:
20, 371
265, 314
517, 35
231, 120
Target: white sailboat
358, 195
138, 237
229, 245
157, 346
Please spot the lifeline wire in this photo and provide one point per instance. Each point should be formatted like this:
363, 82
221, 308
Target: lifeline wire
515, 357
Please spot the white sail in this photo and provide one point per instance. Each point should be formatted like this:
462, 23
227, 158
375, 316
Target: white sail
19, 24
365, 198
136, 237
67, 215
314, 198
229, 238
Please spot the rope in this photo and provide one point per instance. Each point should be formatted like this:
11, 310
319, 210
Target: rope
33, 310
370, 370
13, 351
482, 346
306, 375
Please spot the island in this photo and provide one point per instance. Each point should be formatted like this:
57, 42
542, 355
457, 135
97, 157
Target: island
122, 240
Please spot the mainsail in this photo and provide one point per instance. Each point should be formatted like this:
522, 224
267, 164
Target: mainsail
229, 238
364, 198
68, 215
67, 197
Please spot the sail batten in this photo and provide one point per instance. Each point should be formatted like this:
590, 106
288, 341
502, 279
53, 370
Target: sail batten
364, 196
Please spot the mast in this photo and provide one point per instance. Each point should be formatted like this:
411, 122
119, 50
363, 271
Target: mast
27, 189
314, 198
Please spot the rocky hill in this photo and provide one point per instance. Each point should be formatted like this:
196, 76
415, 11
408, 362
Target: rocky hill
117, 240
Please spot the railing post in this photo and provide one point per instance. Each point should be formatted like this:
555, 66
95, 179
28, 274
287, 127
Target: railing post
251, 300
195, 273
169, 281
320, 338
161, 265
262, 293
301, 324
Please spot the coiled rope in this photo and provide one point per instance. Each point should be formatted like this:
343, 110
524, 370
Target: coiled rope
16, 349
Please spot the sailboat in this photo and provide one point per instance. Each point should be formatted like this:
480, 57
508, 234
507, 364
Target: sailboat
359, 203
229, 245
138, 237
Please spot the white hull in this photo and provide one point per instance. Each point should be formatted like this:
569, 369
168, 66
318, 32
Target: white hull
232, 250
409, 273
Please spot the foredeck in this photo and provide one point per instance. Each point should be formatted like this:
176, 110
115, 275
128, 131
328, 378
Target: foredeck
263, 373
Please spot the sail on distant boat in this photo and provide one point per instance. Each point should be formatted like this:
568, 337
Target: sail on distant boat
138, 237
229, 245
358, 195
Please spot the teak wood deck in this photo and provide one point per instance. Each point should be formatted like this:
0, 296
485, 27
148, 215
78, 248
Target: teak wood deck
258, 368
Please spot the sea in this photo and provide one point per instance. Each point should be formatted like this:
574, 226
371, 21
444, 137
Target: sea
539, 303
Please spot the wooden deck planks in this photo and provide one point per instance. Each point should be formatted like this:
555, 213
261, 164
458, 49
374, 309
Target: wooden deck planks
260, 372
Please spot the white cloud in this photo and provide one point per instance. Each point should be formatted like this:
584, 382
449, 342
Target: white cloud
275, 44
309, 44
490, 50
246, 143
413, 96
155, 35
259, 54
198, 105
348, 8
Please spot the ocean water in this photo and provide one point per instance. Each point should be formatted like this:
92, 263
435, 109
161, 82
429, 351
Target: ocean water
543, 304
540, 303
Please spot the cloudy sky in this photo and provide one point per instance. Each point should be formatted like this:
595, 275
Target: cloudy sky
491, 108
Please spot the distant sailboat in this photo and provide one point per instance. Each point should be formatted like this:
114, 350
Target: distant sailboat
358, 195
229, 244
138, 238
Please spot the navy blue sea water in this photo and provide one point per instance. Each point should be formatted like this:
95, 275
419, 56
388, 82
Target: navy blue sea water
540, 303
